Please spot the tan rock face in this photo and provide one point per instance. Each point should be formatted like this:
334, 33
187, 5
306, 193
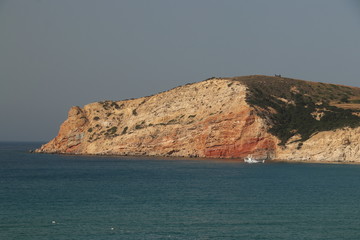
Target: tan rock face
206, 119
71, 133
342, 145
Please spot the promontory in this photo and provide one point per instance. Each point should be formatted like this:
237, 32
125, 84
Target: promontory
268, 117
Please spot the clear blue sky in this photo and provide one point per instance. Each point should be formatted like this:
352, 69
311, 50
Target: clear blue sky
57, 54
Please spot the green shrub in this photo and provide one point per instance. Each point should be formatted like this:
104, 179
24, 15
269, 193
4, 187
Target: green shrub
345, 99
140, 125
111, 131
124, 130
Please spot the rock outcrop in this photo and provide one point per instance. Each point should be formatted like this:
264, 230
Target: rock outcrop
341, 145
213, 118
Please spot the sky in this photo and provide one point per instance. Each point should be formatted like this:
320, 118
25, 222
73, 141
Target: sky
57, 54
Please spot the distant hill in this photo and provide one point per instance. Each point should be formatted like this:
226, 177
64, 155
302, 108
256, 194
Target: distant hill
268, 117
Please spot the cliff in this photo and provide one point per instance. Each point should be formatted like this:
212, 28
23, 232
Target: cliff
264, 116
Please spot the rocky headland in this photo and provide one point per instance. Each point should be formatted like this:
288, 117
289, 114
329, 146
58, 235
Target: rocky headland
269, 117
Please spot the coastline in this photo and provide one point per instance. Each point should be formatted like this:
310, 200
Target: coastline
174, 158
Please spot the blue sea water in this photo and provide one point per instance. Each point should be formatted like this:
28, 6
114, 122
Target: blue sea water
91, 197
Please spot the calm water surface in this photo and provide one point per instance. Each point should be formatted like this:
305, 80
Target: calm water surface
68, 197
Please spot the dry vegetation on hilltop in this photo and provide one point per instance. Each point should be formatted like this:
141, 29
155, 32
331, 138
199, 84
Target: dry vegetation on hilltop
301, 107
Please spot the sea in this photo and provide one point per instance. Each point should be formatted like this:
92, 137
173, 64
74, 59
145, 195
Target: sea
64, 197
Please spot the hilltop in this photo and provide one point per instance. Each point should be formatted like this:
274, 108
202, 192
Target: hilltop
302, 107
276, 117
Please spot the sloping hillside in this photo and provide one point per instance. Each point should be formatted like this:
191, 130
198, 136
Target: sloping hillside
296, 107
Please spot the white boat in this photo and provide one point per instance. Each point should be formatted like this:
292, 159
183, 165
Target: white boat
250, 159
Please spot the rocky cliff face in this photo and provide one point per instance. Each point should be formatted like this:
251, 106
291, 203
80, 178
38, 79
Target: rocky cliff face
341, 145
212, 118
